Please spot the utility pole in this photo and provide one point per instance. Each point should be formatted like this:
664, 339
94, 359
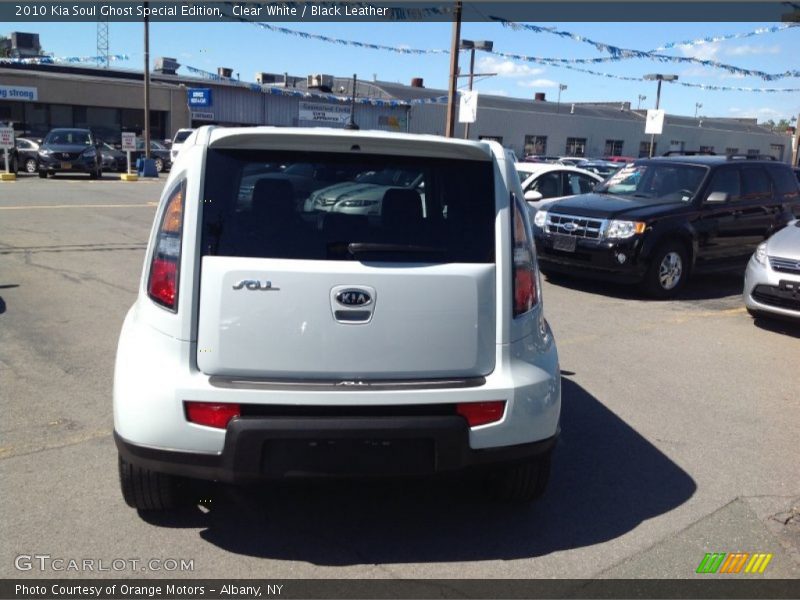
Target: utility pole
146, 83
449, 130
352, 123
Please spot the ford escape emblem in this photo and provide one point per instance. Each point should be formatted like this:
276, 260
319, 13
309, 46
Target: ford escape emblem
353, 297
569, 226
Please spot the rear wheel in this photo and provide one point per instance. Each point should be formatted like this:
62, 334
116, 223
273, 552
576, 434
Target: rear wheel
31, 166
520, 482
159, 165
667, 272
143, 489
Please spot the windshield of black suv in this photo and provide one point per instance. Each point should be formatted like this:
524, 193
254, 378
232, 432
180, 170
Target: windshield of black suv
317, 207
69, 136
657, 181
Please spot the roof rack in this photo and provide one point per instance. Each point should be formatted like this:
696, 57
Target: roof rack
689, 153
750, 157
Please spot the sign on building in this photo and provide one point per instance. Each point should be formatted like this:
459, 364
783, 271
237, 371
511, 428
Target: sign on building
202, 116
468, 107
199, 97
15, 92
655, 121
319, 114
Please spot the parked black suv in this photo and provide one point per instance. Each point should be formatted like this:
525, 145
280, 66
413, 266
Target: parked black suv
70, 151
659, 219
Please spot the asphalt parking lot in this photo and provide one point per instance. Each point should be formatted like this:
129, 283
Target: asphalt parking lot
680, 433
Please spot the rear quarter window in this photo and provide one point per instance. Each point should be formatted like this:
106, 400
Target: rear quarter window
315, 206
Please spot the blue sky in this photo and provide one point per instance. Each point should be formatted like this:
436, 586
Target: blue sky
248, 49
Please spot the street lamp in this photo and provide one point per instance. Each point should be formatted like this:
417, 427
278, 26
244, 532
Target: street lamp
352, 123
658, 77
697, 106
561, 88
641, 98
472, 46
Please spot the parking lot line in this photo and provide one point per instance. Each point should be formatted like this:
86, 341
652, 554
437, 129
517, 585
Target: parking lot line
58, 206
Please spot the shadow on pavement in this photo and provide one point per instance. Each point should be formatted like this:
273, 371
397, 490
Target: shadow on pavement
606, 480
784, 326
703, 286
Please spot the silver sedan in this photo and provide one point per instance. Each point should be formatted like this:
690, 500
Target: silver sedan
772, 278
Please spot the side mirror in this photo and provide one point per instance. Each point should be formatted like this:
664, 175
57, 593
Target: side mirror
533, 196
717, 197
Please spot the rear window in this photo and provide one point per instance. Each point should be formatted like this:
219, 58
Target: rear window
315, 206
181, 136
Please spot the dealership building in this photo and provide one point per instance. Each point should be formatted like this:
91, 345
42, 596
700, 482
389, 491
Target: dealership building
35, 98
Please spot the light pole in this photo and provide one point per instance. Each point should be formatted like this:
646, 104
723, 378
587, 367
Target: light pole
472, 46
450, 123
352, 123
697, 106
146, 84
561, 88
658, 77
641, 97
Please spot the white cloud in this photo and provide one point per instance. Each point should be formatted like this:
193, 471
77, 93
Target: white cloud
505, 68
747, 50
763, 113
703, 51
538, 83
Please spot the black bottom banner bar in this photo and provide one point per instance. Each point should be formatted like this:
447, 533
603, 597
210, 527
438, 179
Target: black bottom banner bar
413, 589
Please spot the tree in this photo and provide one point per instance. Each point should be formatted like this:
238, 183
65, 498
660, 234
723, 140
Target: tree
780, 126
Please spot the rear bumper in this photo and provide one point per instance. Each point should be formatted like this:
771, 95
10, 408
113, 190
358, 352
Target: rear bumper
271, 448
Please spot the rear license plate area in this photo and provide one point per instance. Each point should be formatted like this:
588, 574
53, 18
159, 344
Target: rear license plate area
564, 243
348, 457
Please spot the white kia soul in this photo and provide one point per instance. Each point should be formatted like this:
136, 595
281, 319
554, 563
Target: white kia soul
271, 339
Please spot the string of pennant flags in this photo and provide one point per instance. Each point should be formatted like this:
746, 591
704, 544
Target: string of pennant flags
73, 60
617, 53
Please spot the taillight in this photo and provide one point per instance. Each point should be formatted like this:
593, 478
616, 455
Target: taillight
211, 414
481, 413
525, 292
164, 266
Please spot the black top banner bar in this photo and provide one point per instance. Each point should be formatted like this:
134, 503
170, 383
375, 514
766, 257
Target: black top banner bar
400, 11
414, 589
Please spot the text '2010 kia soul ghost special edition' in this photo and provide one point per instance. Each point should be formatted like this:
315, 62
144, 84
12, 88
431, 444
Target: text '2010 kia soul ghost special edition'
270, 339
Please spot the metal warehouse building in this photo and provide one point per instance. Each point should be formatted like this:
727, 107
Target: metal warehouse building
38, 97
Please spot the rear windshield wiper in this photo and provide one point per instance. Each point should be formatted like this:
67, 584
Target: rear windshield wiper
356, 248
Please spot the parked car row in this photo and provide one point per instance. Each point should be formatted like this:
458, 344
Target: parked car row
76, 150
659, 220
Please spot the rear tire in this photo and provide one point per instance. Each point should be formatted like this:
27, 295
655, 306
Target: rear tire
159, 165
668, 271
520, 482
143, 489
31, 166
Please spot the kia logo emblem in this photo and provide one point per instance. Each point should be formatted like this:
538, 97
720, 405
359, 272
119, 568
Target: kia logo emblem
353, 297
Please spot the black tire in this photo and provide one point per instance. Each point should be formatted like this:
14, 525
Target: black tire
668, 271
159, 165
43, 174
31, 166
143, 489
520, 482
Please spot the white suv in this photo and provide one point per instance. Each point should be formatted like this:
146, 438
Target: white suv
272, 341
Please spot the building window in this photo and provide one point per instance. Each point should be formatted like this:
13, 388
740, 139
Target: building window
576, 147
613, 148
707, 149
753, 152
731, 151
677, 146
776, 151
535, 144
644, 149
